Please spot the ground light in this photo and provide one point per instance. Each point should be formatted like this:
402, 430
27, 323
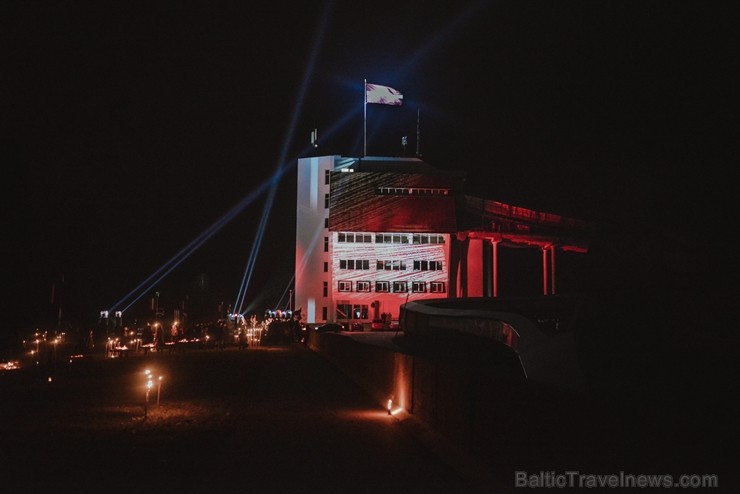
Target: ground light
159, 387
10, 365
149, 384
390, 405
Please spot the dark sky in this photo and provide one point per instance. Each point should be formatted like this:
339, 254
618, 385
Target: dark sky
134, 126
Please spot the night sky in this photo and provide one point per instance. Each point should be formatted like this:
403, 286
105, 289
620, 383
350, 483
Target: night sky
134, 126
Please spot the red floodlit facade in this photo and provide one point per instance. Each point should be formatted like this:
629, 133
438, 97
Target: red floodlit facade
373, 233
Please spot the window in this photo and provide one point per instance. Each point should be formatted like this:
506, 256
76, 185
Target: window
419, 238
344, 310
418, 286
326, 289
391, 238
437, 287
382, 287
354, 264
345, 286
326, 244
326, 201
324, 313
399, 287
327, 176
363, 286
326, 222
326, 267
428, 265
395, 265
354, 237
359, 311
422, 191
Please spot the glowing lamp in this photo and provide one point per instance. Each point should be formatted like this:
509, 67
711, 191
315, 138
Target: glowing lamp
159, 387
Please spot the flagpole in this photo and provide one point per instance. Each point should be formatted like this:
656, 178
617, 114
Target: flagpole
364, 119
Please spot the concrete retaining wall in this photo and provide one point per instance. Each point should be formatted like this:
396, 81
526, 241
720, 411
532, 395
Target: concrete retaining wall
457, 401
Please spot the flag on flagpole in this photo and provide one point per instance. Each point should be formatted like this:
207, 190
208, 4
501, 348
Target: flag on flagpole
382, 95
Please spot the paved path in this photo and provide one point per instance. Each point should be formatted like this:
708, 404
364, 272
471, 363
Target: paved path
276, 419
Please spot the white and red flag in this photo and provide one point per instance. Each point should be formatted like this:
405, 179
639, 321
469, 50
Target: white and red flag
382, 95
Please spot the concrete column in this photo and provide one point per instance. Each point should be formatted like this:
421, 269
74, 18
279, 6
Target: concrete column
494, 268
462, 274
544, 271
474, 282
552, 269
459, 279
452, 267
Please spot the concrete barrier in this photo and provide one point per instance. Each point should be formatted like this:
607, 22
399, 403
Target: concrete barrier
451, 394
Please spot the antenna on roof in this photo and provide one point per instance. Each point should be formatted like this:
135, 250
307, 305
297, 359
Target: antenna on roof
315, 138
418, 154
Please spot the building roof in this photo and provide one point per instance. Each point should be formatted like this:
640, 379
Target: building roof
407, 194
394, 165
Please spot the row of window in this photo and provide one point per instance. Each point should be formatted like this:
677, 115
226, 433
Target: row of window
392, 286
388, 265
394, 265
411, 191
391, 238
354, 264
346, 310
355, 238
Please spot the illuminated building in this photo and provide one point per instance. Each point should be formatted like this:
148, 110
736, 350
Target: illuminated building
373, 233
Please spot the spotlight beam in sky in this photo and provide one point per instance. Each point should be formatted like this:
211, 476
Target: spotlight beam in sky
188, 250
281, 165
161, 272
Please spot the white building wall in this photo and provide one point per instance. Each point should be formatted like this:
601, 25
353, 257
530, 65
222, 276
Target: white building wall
311, 231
